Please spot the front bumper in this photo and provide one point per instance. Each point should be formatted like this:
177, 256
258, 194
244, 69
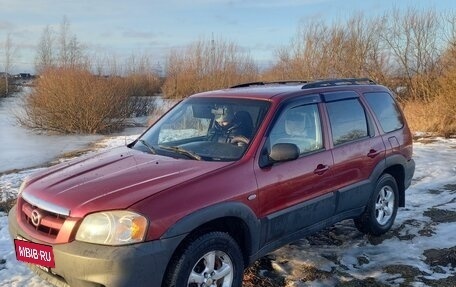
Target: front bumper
84, 264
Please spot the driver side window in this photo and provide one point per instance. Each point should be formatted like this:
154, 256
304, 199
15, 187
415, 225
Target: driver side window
300, 126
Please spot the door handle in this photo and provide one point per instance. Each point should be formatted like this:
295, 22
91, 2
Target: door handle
321, 169
373, 153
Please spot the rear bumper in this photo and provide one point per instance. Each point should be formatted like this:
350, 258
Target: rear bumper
85, 264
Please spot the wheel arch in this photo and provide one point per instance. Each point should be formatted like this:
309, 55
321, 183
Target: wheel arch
234, 218
395, 166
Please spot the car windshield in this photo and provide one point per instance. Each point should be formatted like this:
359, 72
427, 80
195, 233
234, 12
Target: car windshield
210, 129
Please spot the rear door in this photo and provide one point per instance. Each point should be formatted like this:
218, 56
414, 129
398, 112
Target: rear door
357, 148
297, 193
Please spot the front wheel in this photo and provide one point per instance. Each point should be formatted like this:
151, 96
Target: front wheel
212, 260
381, 210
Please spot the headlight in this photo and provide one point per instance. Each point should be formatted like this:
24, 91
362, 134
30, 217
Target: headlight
113, 228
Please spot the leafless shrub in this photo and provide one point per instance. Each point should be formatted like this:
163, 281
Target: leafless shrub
140, 73
143, 85
143, 75
207, 65
71, 100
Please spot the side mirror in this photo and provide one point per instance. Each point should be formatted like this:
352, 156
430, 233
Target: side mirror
281, 152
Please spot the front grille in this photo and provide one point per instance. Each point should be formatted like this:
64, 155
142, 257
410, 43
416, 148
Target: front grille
44, 222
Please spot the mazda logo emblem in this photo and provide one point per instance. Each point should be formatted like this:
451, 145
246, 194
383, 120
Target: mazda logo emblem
36, 218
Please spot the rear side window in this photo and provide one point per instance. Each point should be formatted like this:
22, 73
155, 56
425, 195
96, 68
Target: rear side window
386, 111
348, 121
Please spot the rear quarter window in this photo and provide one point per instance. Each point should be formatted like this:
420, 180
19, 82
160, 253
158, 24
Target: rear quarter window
386, 110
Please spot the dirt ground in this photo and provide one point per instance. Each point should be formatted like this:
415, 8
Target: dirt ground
279, 269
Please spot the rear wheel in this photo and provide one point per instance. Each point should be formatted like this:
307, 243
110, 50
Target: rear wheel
212, 260
381, 210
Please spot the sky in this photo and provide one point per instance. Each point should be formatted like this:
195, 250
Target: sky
121, 28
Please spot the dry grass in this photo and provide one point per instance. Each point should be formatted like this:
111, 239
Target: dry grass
437, 117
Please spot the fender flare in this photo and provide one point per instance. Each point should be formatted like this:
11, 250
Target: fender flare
198, 218
393, 160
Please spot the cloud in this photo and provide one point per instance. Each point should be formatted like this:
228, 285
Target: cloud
268, 4
5, 25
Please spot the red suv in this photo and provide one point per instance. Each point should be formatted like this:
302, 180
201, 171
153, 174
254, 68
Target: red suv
220, 180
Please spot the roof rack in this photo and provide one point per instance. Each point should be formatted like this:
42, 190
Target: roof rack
338, 82
312, 84
244, 85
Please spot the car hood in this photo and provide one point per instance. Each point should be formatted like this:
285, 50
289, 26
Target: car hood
110, 180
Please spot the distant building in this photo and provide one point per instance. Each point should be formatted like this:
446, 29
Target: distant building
25, 75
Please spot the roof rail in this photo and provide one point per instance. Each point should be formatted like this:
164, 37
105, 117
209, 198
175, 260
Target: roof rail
338, 82
269, 83
286, 82
244, 85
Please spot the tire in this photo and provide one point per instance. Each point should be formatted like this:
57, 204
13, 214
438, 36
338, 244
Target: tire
213, 259
381, 210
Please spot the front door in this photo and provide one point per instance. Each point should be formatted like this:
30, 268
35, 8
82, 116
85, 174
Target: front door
298, 193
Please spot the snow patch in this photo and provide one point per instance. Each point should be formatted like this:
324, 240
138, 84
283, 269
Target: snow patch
340, 248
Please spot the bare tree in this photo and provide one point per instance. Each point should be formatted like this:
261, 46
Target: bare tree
10, 51
412, 39
450, 28
70, 51
106, 65
45, 51
75, 53
63, 42
319, 50
61, 50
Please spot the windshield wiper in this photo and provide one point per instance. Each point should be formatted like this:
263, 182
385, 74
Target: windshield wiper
183, 151
151, 148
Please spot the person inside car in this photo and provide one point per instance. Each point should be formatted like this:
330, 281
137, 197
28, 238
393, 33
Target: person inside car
231, 127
